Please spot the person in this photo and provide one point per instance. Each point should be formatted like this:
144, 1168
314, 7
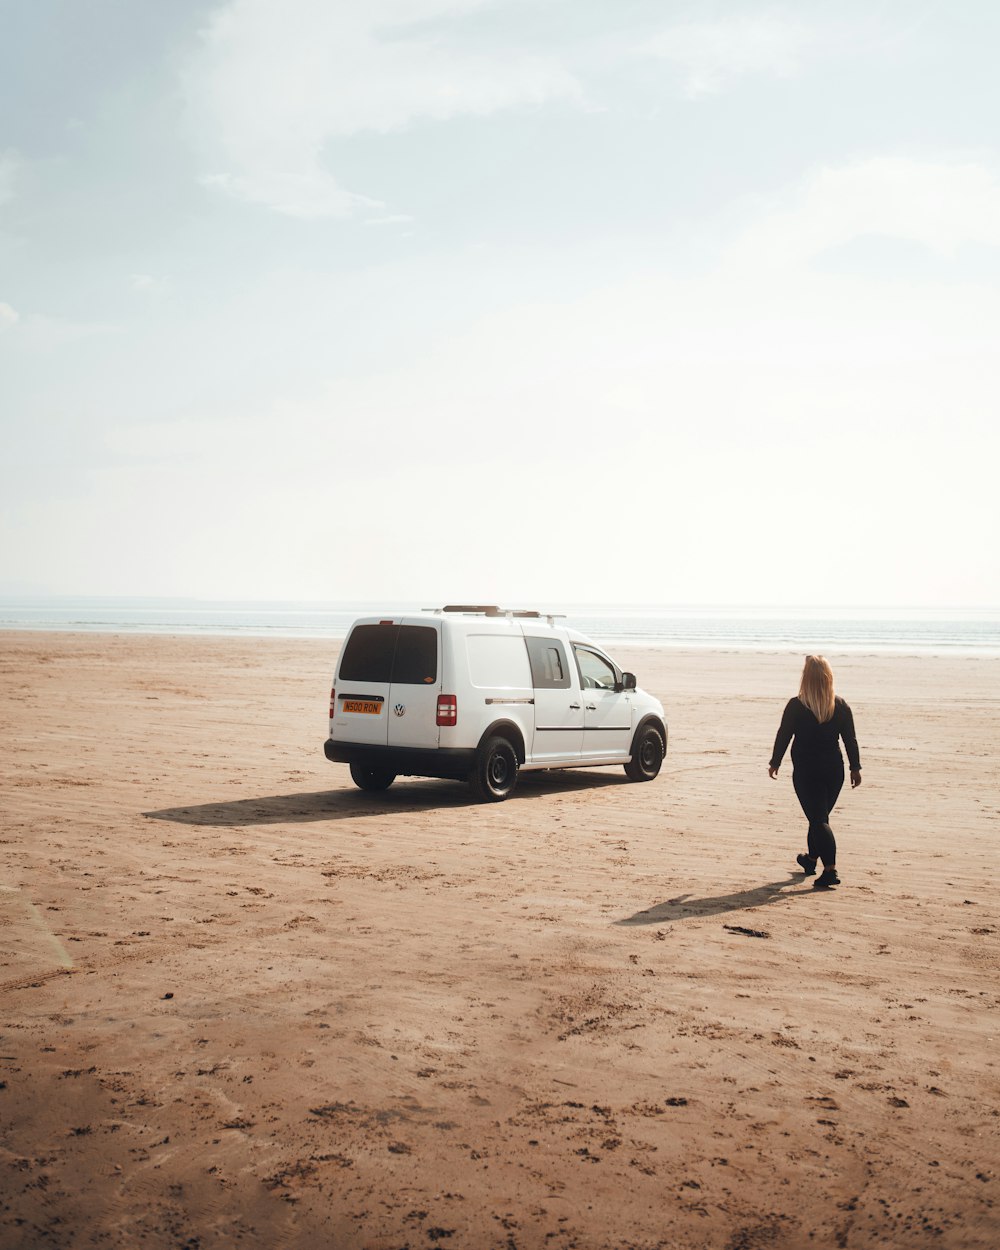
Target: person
814, 722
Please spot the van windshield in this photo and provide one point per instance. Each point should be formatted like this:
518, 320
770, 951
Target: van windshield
401, 654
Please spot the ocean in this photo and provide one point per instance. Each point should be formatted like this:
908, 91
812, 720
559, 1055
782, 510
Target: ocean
948, 631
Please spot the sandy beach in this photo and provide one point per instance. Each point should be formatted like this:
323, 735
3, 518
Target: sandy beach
244, 1003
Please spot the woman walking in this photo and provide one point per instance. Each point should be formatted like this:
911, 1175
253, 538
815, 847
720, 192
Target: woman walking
814, 722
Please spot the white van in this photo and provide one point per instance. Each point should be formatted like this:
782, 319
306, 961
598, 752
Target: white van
477, 693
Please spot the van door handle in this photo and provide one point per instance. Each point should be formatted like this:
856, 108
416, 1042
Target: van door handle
574, 707
591, 707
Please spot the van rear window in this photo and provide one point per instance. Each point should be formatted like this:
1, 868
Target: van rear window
404, 654
368, 654
416, 656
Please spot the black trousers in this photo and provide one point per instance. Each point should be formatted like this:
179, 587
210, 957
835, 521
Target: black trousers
817, 787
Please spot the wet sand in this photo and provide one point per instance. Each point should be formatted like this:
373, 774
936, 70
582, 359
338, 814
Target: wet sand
245, 1004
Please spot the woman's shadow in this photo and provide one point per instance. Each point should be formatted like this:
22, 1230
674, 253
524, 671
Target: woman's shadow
684, 907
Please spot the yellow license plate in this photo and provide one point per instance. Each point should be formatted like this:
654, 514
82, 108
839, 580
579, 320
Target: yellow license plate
362, 705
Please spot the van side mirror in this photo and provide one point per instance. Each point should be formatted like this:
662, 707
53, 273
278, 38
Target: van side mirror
628, 681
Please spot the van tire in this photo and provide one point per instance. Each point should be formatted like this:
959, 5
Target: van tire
495, 773
367, 777
648, 751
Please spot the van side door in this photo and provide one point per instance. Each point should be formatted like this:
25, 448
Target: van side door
558, 701
607, 707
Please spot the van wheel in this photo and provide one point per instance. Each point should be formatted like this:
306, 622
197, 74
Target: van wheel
368, 778
495, 774
647, 755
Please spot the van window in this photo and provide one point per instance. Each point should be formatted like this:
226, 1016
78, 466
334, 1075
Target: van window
596, 672
405, 654
368, 653
548, 664
416, 659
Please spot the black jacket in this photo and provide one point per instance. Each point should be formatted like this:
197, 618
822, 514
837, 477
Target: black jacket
816, 743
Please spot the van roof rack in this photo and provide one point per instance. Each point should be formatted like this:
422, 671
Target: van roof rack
486, 609
491, 609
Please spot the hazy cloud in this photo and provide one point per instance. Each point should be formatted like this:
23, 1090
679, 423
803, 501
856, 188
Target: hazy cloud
774, 247
272, 83
37, 332
939, 205
390, 219
710, 55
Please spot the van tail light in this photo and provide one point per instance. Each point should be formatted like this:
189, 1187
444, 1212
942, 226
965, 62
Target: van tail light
447, 710
333, 701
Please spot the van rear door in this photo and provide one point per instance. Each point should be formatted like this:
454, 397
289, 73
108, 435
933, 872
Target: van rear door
362, 686
387, 685
416, 683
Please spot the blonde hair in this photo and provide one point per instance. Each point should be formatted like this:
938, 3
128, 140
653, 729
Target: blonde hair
816, 690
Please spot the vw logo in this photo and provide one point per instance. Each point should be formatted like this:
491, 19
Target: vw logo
400, 709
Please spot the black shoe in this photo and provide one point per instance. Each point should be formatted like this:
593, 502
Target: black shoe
807, 865
826, 878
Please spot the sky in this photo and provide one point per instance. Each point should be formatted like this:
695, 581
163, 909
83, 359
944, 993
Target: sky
517, 301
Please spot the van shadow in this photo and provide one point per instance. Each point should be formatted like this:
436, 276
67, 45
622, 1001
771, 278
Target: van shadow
403, 796
684, 907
